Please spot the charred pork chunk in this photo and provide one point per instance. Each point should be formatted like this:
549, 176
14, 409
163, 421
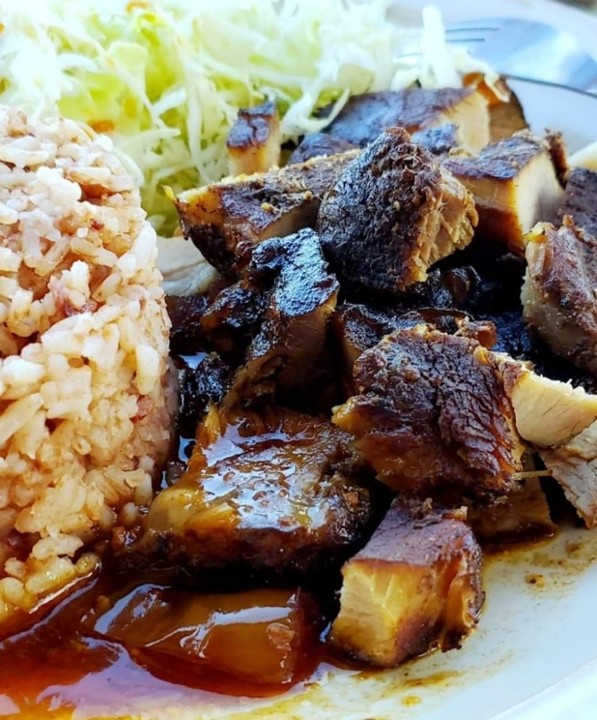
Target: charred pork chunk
559, 294
580, 200
226, 219
522, 515
185, 314
301, 297
269, 495
234, 317
561, 422
432, 413
359, 327
515, 184
319, 145
392, 214
366, 116
255, 139
415, 585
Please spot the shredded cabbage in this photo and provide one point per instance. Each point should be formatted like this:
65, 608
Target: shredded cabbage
164, 79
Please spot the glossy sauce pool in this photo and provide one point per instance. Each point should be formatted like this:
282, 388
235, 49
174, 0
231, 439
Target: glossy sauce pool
118, 645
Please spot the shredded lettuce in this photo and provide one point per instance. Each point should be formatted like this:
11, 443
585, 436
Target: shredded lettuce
164, 78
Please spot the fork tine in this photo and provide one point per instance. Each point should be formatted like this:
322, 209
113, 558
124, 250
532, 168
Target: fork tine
470, 28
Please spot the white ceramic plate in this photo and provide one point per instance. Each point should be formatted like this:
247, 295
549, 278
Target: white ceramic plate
534, 655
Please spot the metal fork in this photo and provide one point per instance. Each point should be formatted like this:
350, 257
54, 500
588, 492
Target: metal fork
527, 50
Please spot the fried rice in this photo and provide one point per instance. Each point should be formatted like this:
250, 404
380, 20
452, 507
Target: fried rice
85, 395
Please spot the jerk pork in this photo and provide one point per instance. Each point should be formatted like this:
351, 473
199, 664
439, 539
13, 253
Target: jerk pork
227, 218
515, 183
267, 494
366, 116
432, 413
559, 294
522, 515
414, 586
393, 213
300, 298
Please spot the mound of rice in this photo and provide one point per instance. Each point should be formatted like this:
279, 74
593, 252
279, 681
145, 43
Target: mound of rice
85, 395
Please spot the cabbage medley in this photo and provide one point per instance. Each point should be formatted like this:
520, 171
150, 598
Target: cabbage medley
164, 79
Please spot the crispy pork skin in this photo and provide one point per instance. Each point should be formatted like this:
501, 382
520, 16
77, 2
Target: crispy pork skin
254, 140
515, 184
574, 465
559, 294
523, 514
226, 219
270, 494
415, 585
300, 298
432, 413
392, 214
319, 145
366, 116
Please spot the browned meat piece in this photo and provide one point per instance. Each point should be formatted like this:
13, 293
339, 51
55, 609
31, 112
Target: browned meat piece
432, 413
522, 515
515, 184
226, 219
254, 140
234, 317
359, 327
439, 140
574, 465
580, 200
185, 314
506, 117
288, 346
366, 116
415, 586
446, 288
266, 494
559, 155
319, 145
559, 294
392, 214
